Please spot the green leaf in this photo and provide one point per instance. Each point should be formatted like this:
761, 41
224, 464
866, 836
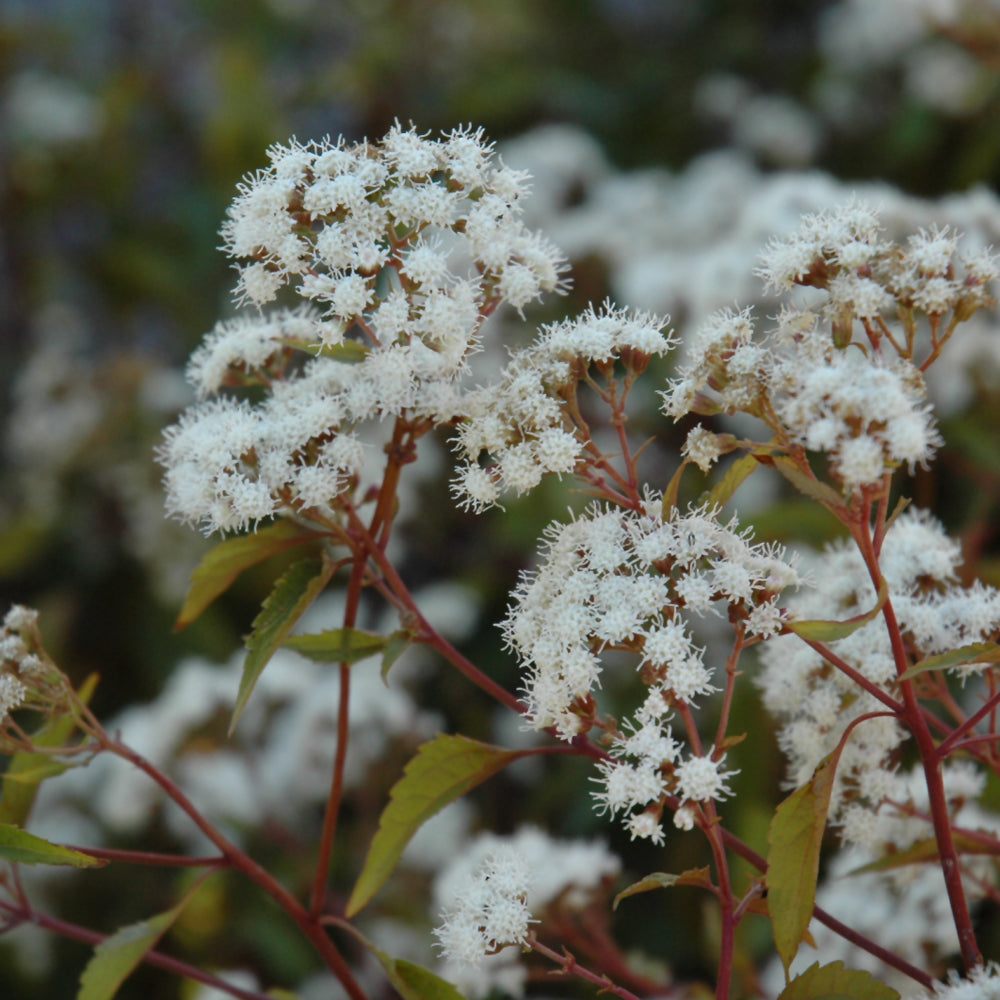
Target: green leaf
284, 606
25, 848
835, 982
342, 645
977, 652
443, 770
217, 571
417, 983
117, 956
37, 774
737, 473
398, 643
348, 351
819, 630
19, 790
661, 880
794, 841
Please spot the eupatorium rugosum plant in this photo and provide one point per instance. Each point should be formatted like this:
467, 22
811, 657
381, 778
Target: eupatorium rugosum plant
876, 663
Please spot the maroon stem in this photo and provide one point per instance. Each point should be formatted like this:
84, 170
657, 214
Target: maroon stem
340, 757
152, 858
570, 967
309, 925
931, 764
429, 636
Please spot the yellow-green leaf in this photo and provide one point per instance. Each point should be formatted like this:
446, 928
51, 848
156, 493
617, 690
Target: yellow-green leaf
217, 571
819, 630
794, 841
976, 652
37, 774
19, 790
806, 484
661, 880
836, 982
414, 982
342, 645
443, 770
117, 956
926, 850
737, 473
284, 606
23, 848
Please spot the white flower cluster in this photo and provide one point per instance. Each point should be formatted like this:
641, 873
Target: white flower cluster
982, 984
407, 245
565, 874
645, 765
489, 912
815, 703
17, 663
334, 216
861, 401
522, 421
623, 580
865, 276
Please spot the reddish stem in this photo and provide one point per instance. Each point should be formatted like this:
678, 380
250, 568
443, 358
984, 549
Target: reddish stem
931, 764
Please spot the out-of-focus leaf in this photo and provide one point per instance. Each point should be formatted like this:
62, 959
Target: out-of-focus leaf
926, 850
977, 652
661, 880
19, 790
836, 982
805, 484
25, 848
398, 643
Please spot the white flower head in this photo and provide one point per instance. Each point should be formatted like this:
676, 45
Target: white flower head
489, 913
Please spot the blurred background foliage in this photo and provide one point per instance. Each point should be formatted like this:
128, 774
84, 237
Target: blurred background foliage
124, 128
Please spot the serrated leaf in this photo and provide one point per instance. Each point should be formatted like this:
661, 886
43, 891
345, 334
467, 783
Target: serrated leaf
819, 630
737, 474
443, 770
794, 840
19, 790
977, 652
836, 982
661, 880
220, 567
117, 956
923, 851
23, 848
398, 643
806, 484
341, 645
284, 606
